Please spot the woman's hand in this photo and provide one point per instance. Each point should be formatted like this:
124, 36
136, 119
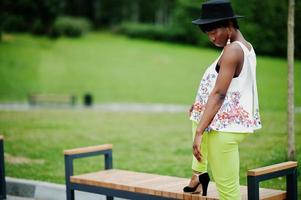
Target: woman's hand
196, 147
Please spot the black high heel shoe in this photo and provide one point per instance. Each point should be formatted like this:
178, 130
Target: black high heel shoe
204, 179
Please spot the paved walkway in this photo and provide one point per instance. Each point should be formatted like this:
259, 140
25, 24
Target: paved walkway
17, 198
113, 107
23, 189
108, 107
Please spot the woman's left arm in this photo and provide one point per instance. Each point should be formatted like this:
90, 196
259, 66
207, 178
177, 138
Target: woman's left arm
229, 61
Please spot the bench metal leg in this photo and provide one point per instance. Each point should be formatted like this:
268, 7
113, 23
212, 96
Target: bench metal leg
70, 194
109, 160
2, 172
291, 185
110, 198
68, 173
253, 188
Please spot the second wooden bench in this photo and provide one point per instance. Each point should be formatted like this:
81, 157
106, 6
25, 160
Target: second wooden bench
51, 99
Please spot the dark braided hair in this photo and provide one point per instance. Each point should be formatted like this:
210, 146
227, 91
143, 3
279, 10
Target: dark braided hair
224, 23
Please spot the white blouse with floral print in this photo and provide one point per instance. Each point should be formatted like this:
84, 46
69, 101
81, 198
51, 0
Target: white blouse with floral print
240, 110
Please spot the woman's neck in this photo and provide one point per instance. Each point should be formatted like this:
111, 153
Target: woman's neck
237, 36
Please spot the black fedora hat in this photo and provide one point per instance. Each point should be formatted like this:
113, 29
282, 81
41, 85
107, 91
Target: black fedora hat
214, 11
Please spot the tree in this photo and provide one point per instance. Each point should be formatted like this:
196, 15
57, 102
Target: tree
290, 58
35, 16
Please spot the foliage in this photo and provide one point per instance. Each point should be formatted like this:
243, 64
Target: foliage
14, 23
267, 30
32, 16
151, 31
265, 23
70, 26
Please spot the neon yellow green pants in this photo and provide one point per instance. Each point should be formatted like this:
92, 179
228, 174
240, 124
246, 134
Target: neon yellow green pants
220, 149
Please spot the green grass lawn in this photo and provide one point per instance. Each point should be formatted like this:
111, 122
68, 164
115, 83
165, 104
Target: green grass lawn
148, 142
117, 69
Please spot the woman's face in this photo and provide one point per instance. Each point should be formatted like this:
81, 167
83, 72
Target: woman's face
218, 36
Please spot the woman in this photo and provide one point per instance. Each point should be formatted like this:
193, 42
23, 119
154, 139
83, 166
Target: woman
226, 105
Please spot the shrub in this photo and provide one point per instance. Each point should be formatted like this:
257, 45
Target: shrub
37, 27
29, 15
152, 31
70, 27
13, 23
178, 34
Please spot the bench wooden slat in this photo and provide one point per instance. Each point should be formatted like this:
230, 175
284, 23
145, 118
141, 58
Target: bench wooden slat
119, 179
166, 186
272, 168
163, 186
265, 194
89, 149
149, 186
171, 189
268, 194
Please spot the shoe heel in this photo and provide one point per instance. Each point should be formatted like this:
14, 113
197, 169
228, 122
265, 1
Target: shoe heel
205, 188
204, 180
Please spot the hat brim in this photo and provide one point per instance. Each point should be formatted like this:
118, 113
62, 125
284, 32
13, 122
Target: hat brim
209, 21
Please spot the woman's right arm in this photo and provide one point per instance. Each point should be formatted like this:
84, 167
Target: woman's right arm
229, 61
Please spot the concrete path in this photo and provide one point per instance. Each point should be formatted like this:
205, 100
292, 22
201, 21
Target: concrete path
9, 197
21, 189
105, 107
108, 107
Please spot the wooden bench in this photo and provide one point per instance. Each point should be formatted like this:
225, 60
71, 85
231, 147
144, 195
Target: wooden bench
2, 170
136, 185
51, 99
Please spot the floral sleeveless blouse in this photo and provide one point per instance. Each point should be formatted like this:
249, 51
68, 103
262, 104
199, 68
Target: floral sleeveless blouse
240, 110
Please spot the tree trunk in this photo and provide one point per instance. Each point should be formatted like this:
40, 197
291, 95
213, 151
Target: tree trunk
96, 4
135, 9
290, 58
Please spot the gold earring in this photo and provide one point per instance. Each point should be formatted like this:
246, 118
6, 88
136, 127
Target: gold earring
228, 41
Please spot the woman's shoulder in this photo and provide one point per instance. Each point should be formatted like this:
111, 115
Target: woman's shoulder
233, 51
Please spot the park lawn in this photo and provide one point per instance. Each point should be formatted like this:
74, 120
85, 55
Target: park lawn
118, 69
147, 142
115, 68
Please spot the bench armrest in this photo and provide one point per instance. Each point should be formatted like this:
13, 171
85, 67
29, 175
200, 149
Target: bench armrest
288, 169
89, 149
272, 168
72, 154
